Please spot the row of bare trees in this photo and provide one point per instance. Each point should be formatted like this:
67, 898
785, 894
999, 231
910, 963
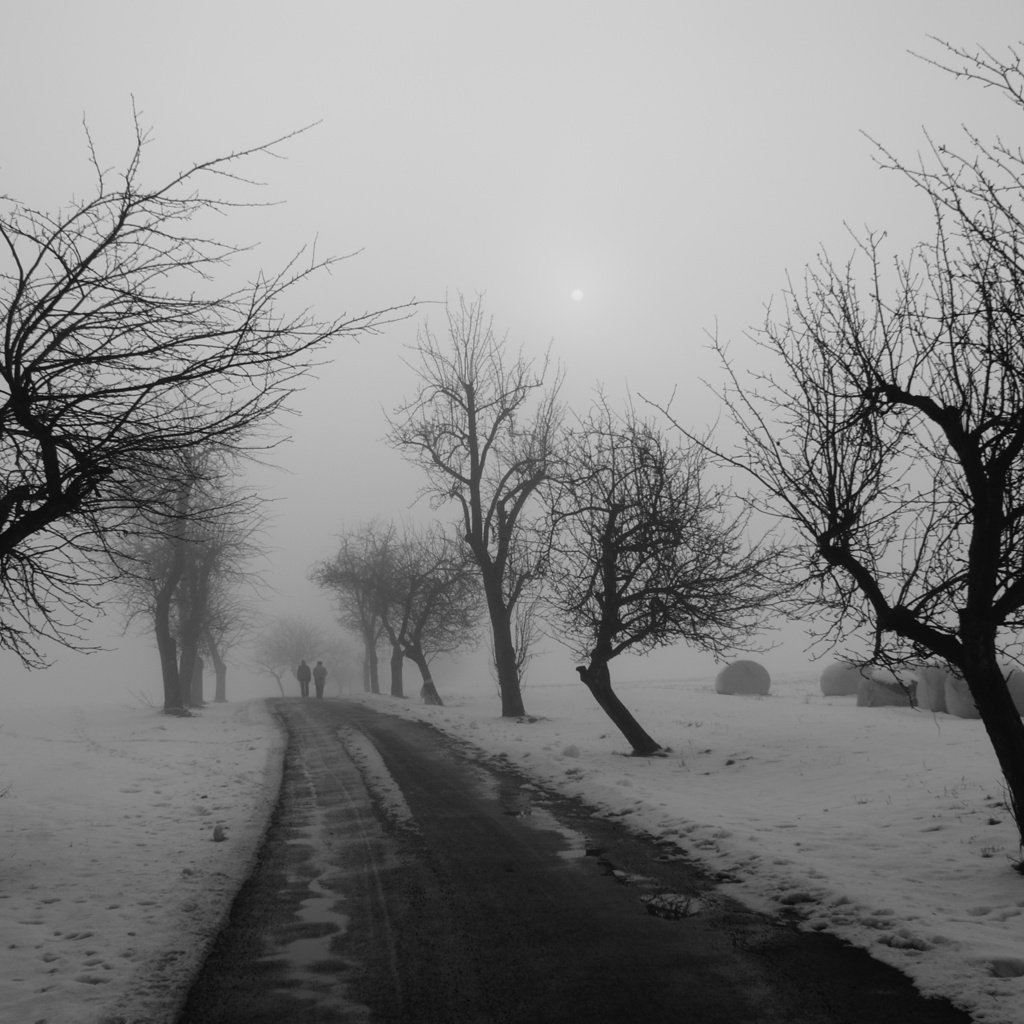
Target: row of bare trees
602, 528
130, 350
884, 432
415, 589
182, 563
283, 642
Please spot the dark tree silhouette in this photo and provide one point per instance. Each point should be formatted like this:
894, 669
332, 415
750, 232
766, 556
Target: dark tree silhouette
358, 578
177, 562
482, 426
888, 428
440, 600
124, 342
645, 553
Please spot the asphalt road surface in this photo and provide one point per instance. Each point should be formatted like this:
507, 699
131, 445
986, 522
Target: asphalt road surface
404, 880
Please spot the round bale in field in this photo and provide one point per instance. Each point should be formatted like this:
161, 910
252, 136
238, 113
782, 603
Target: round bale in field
959, 701
931, 686
743, 677
882, 689
841, 678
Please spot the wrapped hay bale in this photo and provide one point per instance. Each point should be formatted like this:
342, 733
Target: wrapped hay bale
882, 689
959, 701
743, 677
931, 686
841, 679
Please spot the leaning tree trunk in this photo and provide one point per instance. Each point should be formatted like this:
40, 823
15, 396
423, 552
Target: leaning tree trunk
397, 658
598, 680
428, 692
1002, 721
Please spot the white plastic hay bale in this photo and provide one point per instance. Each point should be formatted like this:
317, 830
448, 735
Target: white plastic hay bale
743, 677
931, 686
882, 689
959, 701
841, 679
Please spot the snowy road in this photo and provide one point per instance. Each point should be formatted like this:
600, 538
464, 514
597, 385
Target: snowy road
402, 881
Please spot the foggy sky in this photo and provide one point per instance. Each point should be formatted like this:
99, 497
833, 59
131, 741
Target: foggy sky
673, 161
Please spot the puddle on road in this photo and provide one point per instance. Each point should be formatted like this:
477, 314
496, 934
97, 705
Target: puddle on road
310, 970
320, 922
527, 806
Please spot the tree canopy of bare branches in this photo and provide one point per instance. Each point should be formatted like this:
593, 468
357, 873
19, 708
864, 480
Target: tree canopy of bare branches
417, 588
645, 553
358, 578
180, 561
435, 596
482, 426
889, 428
125, 340
283, 642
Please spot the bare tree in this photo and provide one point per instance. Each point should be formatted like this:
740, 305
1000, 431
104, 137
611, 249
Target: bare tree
646, 553
443, 599
227, 621
889, 428
482, 426
187, 546
359, 578
123, 344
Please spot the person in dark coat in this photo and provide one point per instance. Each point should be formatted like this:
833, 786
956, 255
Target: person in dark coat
319, 677
303, 674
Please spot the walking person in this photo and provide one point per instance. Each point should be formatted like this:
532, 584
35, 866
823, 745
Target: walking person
319, 677
303, 674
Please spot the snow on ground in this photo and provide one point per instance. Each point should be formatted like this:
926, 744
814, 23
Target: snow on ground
124, 837
883, 825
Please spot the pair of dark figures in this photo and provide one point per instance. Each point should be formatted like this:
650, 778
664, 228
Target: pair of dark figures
318, 674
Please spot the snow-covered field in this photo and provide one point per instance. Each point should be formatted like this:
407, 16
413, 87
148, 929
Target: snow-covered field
883, 825
112, 878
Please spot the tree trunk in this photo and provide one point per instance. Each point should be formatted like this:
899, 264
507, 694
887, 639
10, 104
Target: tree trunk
505, 663
196, 687
168, 648
220, 668
193, 600
1002, 720
220, 691
397, 658
189, 668
427, 691
371, 677
598, 680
